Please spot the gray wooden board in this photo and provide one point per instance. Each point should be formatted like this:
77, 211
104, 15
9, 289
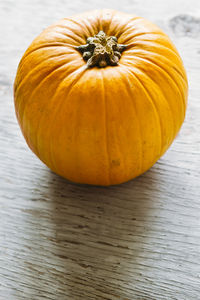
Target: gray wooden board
139, 240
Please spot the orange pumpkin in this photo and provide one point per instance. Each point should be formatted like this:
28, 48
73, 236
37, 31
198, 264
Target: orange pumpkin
100, 96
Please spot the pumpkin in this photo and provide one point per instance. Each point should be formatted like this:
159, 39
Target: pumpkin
100, 96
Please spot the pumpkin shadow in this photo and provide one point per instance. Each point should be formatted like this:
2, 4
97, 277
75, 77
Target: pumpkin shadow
100, 235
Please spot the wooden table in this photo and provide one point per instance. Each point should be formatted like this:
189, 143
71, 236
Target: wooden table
138, 240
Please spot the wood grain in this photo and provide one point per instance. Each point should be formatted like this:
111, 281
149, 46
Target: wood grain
139, 240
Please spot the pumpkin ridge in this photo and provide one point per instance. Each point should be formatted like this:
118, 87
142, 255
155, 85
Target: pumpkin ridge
102, 19
73, 21
159, 64
37, 130
66, 34
99, 23
135, 111
73, 83
123, 28
24, 82
111, 19
148, 96
79, 25
52, 56
163, 96
138, 55
155, 44
149, 99
28, 74
106, 127
61, 36
171, 79
166, 58
52, 46
137, 35
109, 27
88, 26
48, 45
134, 51
30, 98
25, 104
21, 102
119, 149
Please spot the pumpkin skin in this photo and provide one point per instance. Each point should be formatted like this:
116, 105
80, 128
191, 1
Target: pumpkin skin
100, 126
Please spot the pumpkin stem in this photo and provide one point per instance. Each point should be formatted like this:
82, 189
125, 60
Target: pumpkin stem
101, 50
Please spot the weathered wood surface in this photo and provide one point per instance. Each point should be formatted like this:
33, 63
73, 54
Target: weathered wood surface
138, 240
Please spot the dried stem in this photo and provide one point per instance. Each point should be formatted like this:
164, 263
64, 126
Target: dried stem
101, 50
